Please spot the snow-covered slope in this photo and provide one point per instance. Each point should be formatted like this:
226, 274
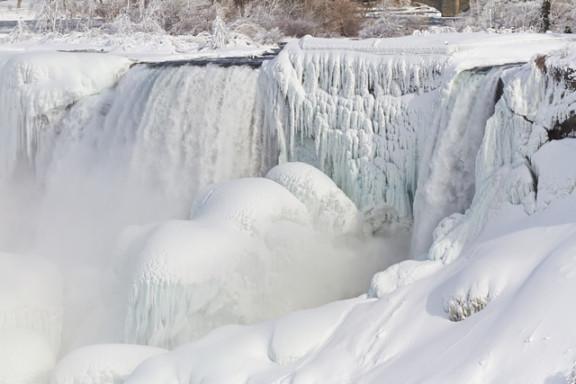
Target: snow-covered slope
128, 179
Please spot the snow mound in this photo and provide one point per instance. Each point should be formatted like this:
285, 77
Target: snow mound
250, 251
184, 281
250, 203
26, 357
400, 275
105, 363
330, 208
260, 353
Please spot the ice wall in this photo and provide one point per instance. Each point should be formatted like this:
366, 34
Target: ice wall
356, 116
397, 129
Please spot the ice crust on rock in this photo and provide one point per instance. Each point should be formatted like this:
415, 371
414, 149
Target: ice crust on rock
535, 98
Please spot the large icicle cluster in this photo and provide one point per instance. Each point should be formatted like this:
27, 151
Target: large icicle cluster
355, 115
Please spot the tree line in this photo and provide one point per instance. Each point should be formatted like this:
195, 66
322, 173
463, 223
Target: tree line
270, 20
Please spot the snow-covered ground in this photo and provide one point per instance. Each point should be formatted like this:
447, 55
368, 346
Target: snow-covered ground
138, 207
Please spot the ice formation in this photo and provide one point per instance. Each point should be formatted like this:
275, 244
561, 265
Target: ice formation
494, 169
253, 249
92, 143
144, 182
355, 116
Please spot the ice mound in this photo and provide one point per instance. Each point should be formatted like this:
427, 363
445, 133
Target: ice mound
251, 204
400, 275
104, 363
252, 250
329, 207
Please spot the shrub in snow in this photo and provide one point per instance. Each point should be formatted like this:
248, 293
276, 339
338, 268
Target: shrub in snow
465, 305
389, 25
571, 376
219, 33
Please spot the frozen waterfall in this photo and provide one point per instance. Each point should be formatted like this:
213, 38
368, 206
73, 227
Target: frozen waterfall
398, 133
132, 152
160, 201
90, 144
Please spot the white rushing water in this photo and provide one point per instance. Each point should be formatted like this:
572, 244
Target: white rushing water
82, 161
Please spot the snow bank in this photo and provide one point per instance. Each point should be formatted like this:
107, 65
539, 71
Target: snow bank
106, 363
552, 167
260, 353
